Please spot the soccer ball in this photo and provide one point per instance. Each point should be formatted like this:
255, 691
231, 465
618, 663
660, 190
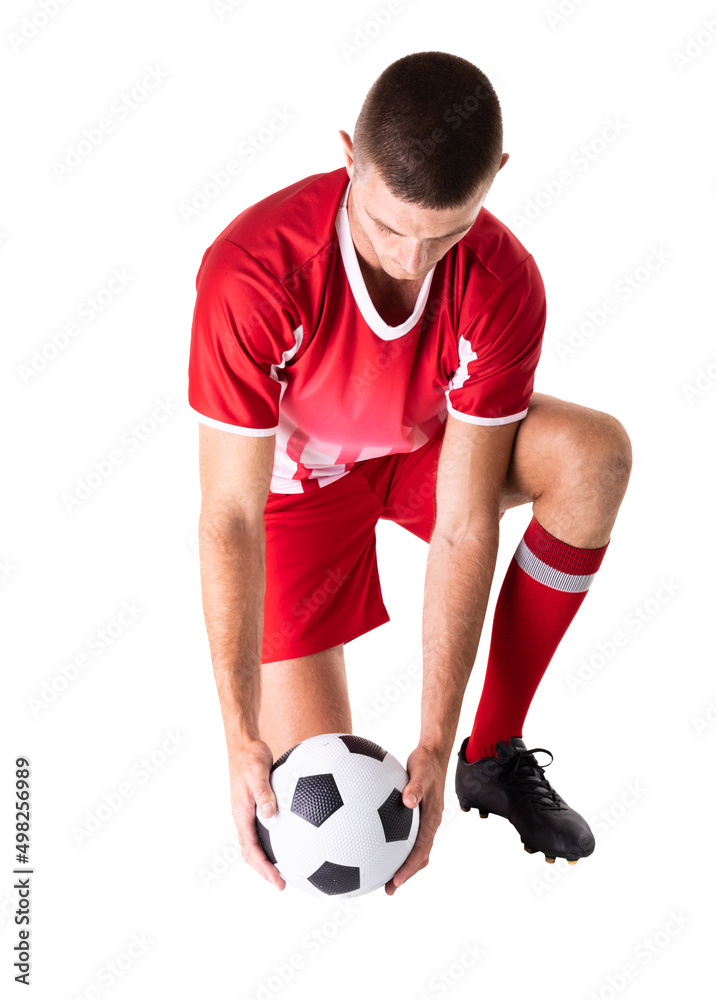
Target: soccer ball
340, 828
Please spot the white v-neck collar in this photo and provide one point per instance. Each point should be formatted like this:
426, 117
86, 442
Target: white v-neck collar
357, 284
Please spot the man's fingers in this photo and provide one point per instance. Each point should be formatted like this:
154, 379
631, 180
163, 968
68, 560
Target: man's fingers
251, 850
265, 799
407, 870
253, 855
252, 798
412, 794
425, 786
419, 857
244, 813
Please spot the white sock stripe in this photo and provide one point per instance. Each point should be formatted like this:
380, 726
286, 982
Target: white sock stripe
550, 577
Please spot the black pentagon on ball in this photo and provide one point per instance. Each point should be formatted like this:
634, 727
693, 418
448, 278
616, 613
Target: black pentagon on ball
358, 744
265, 840
395, 817
316, 797
283, 757
334, 879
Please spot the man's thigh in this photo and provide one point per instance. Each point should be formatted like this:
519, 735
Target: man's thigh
549, 433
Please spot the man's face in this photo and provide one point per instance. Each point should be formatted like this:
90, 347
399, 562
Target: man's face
406, 238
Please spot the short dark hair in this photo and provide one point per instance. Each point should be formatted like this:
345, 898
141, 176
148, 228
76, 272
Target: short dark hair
431, 125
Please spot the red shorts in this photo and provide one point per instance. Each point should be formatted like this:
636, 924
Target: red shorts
322, 584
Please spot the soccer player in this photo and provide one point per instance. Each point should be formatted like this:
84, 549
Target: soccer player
363, 346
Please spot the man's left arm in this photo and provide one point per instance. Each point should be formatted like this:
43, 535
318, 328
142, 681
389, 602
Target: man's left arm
461, 562
499, 341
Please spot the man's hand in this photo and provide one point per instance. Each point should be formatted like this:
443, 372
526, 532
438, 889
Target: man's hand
427, 767
249, 769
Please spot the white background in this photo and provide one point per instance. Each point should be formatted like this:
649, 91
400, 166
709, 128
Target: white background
633, 743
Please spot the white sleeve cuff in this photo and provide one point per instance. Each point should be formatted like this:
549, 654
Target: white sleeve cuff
484, 421
234, 428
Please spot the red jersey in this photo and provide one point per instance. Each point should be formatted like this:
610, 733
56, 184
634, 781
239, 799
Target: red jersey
286, 340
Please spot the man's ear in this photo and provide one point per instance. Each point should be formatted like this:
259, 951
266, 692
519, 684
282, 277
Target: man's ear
503, 161
347, 150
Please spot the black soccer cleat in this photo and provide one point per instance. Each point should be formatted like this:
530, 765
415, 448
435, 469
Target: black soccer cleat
513, 785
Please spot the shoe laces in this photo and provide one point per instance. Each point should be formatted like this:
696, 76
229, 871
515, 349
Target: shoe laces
520, 767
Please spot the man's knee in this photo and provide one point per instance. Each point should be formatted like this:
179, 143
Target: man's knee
620, 446
597, 449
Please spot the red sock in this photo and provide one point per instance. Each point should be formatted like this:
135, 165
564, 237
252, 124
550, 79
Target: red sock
543, 588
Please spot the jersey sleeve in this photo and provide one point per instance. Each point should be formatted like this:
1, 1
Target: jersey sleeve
499, 344
244, 329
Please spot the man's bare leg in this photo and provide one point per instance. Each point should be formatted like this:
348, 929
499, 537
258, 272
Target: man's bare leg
572, 463
304, 697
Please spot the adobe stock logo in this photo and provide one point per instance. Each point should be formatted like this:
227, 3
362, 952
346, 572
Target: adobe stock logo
703, 381
642, 955
696, 45
564, 10
579, 161
87, 311
222, 8
633, 624
141, 771
622, 291
32, 24
130, 440
246, 152
363, 35
119, 110
97, 643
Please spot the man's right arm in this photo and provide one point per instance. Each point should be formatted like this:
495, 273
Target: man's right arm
235, 472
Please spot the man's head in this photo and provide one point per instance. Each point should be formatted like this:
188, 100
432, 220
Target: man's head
426, 148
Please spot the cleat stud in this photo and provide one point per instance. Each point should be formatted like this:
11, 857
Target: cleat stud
550, 861
572, 862
530, 850
483, 815
465, 809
